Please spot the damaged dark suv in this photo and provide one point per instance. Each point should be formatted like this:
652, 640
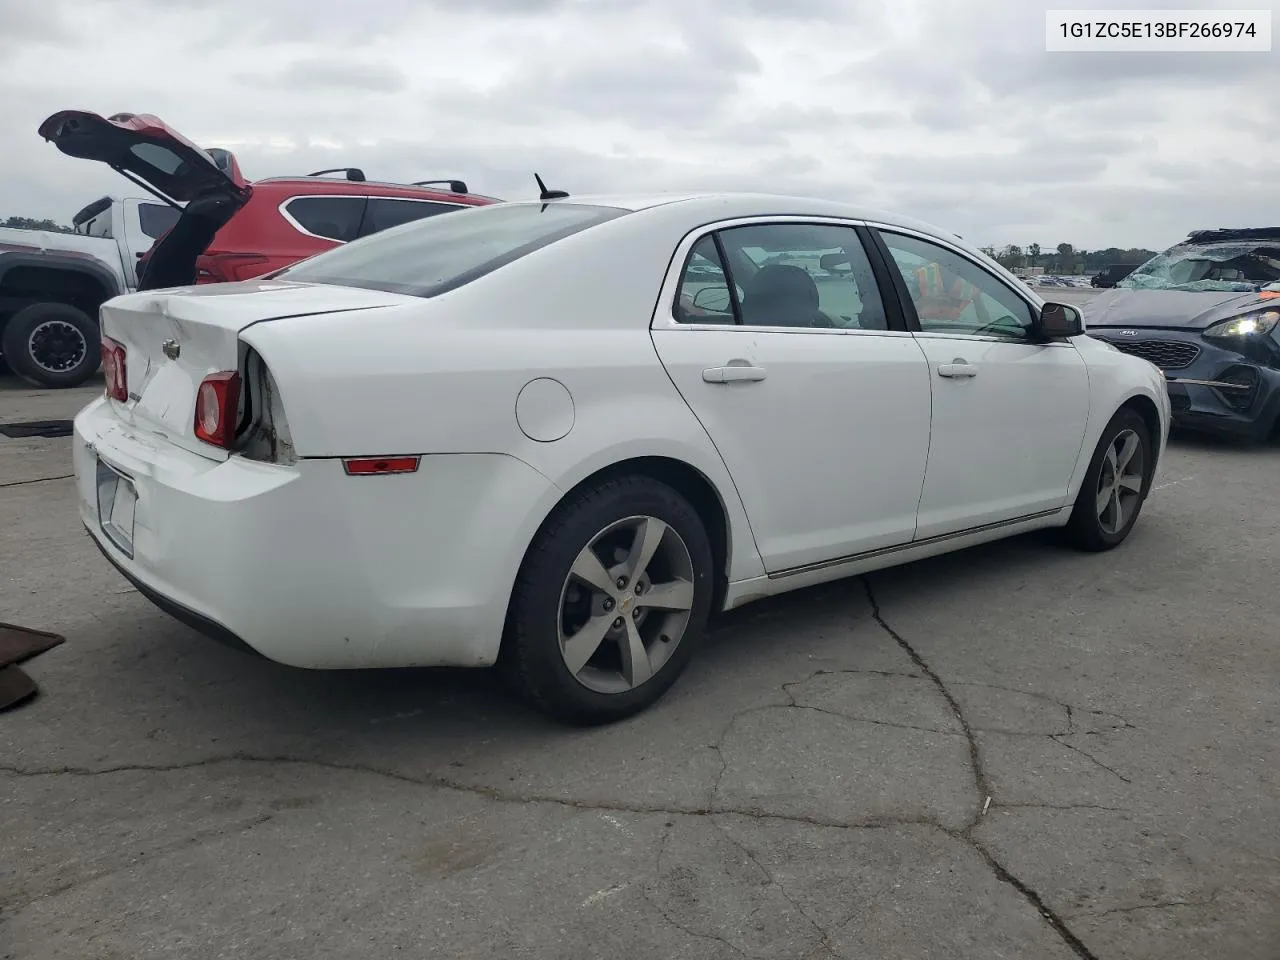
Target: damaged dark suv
1207, 313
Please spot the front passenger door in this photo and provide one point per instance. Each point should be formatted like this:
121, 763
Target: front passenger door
1009, 412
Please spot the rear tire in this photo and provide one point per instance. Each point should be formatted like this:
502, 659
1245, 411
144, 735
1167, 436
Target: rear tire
1108, 504
650, 545
52, 345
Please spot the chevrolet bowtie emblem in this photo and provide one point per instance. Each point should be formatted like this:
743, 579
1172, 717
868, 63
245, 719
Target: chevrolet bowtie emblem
172, 349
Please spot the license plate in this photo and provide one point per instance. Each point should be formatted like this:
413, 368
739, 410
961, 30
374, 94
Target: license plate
117, 499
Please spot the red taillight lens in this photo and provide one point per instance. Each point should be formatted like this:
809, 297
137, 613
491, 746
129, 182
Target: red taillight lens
217, 406
114, 370
230, 267
374, 466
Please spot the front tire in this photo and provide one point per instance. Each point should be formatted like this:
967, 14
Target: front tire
611, 601
1115, 486
52, 345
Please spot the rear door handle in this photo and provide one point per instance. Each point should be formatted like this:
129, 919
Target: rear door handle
957, 369
733, 373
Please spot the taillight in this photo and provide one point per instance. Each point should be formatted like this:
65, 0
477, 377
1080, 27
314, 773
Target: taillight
230, 267
114, 370
217, 406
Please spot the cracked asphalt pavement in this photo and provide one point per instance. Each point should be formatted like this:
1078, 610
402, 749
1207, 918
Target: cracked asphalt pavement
1013, 752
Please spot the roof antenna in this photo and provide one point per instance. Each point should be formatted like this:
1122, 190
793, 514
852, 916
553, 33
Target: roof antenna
548, 194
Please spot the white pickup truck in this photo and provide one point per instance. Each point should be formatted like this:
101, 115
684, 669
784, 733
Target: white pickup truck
51, 285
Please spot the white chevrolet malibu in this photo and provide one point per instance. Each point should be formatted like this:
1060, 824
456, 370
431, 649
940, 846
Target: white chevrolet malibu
558, 435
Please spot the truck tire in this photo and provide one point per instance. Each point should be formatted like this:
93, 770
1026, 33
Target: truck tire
52, 345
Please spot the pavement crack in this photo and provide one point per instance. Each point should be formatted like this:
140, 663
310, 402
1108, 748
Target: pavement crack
1059, 925
875, 723
985, 795
1111, 770
1058, 806
196, 839
666, 915
975, 756
23, 483
1163, 905
492, 794
823, 934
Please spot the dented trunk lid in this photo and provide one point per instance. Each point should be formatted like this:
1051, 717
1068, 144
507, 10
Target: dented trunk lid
173, 339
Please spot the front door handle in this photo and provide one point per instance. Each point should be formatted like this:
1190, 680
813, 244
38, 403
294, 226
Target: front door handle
739, 372
957, 369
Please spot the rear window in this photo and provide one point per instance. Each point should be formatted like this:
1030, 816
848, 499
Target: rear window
438, 254
331, 218
155, 219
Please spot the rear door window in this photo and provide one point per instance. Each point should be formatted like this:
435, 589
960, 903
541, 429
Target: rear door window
383, 213
332, 218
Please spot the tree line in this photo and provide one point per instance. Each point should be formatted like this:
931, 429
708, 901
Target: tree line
26, 223
1066, 259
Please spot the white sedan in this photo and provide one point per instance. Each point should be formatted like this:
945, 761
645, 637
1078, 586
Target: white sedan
558, 435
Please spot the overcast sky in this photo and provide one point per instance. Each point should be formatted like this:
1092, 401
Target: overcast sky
948, 110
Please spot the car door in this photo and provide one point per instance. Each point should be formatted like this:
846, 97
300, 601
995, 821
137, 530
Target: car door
777, 336
1009, 412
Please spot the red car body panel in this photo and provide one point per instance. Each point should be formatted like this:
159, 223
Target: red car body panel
260, 238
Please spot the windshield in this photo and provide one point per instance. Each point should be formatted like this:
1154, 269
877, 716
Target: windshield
1235, 266
429, 257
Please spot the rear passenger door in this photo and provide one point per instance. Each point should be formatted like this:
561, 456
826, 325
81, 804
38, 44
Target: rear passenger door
383, 213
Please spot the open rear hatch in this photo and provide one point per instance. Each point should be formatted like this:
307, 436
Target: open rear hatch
146, 151
173, 340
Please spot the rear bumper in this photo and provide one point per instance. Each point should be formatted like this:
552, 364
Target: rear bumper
185, 615
1219, 391
312, 568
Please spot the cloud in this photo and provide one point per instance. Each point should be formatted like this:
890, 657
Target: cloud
333, 73
952, 113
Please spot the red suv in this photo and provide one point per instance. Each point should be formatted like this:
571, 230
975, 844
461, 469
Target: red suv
231, 229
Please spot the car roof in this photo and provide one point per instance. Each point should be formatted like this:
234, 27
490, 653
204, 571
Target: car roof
1233, 233
706, 207
333, 185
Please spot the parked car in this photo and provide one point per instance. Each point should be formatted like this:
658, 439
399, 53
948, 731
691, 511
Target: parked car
234, 229
371, 459
51, 285
1112, 274
1207, 312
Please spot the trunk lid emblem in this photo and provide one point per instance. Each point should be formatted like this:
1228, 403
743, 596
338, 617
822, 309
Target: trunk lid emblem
172, 349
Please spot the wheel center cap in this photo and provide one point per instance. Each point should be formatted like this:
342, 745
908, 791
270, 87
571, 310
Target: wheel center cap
626, 603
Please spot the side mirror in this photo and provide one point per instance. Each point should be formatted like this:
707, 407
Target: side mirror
715, 299
1060, 320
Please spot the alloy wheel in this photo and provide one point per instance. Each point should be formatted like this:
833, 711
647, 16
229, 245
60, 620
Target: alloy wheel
625, 604
1120, 481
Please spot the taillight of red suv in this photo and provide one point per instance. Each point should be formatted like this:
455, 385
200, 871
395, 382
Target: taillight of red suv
230, 267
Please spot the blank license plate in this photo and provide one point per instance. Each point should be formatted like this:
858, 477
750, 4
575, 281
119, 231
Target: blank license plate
116, 502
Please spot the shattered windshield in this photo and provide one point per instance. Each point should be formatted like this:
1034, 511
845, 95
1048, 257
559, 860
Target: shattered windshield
1236, 266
